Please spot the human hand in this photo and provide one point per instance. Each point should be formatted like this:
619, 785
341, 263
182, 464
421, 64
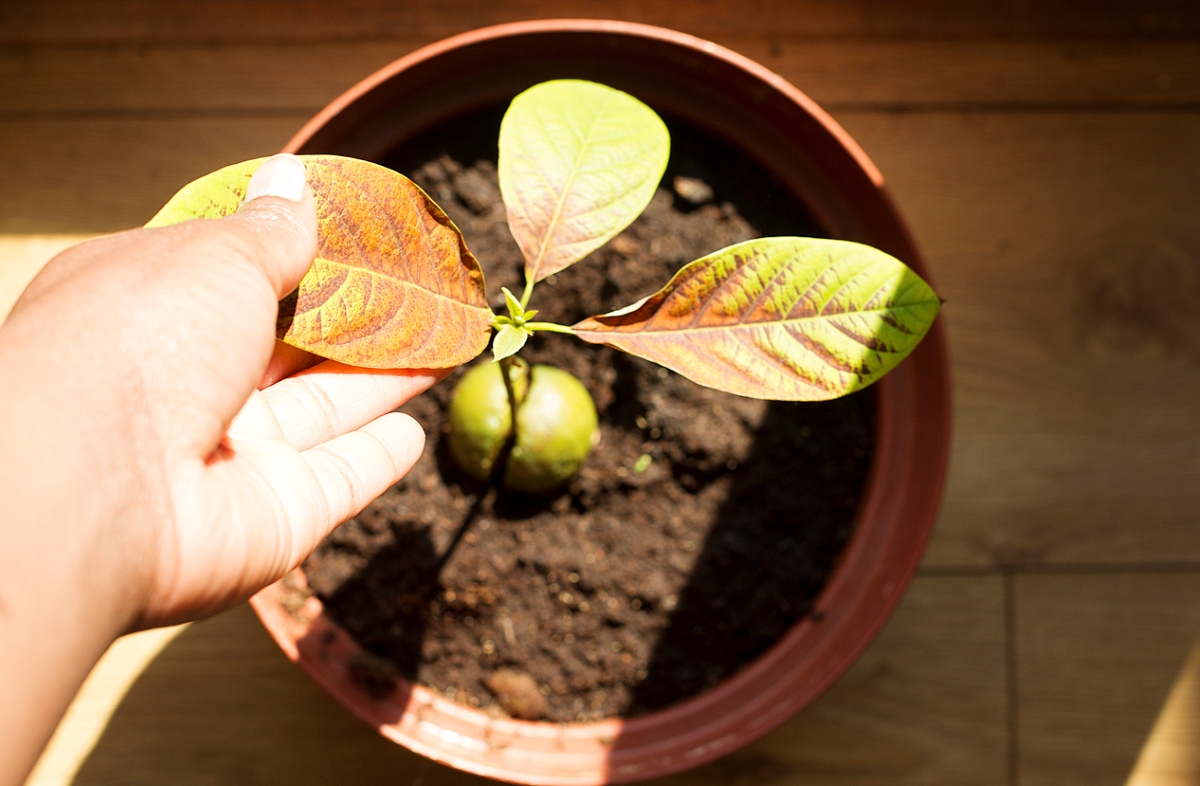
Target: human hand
146, 479
152, 343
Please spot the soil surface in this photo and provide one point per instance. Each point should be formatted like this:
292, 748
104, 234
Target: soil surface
628, 590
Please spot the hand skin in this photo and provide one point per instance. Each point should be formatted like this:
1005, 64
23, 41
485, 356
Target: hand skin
144, 478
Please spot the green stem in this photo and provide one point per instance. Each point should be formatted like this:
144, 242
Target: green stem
516, 382
528, 293
550, 327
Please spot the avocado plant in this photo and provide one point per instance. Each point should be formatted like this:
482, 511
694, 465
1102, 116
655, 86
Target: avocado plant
394, 286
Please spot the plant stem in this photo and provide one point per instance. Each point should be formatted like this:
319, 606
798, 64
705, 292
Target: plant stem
528, 293
516, 382
550, 327
515, 372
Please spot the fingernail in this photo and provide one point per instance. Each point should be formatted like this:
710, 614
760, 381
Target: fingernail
280, 175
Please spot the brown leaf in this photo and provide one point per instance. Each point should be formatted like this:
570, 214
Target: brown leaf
796, 319
394, 285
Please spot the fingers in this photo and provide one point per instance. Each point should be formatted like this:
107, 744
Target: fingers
286, 360
278, 221
357, 467
332, 399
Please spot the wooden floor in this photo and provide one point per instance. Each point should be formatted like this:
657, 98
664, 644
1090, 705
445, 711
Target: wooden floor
1047, 156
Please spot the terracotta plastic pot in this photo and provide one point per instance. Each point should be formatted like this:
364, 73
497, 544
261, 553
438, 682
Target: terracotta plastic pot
736, 99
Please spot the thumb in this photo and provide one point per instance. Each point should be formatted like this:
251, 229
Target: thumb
279, 220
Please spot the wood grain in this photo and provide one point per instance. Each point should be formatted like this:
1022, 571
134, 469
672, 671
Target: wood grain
887, 74
300, 77
1072, 273
924, 706
59, 21
1096, 659
106, 174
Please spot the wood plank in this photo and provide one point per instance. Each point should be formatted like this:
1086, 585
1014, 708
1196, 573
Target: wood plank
1068, 249
60, 21
843, 74
300, 77
925, 705
106, 174
1017, 75
1097, 656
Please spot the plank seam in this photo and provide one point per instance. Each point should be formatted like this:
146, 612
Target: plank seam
1064, 569
834, 107
1011, 687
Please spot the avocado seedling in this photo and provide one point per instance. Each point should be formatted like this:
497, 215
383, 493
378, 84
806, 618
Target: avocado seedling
578, 162
394, 286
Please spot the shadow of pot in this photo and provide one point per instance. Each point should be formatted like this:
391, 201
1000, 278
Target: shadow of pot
743, 103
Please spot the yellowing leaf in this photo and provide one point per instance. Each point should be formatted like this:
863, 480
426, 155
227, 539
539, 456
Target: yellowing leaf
788, 318
393, 285
215, 195
578, 162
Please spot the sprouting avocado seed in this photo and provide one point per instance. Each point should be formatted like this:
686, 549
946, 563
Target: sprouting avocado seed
480, 420
556, 427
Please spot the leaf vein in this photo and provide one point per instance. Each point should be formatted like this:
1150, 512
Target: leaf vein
562, 197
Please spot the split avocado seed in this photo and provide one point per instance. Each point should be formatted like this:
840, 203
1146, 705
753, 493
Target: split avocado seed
556, 425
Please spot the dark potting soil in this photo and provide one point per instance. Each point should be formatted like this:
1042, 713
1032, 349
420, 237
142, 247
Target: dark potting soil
628, 590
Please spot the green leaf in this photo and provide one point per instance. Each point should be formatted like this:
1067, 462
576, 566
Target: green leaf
515, 311
508, 341
578, 162
215, 195
393, 284
788, 318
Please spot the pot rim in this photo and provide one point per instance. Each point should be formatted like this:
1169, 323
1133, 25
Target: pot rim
743, 706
